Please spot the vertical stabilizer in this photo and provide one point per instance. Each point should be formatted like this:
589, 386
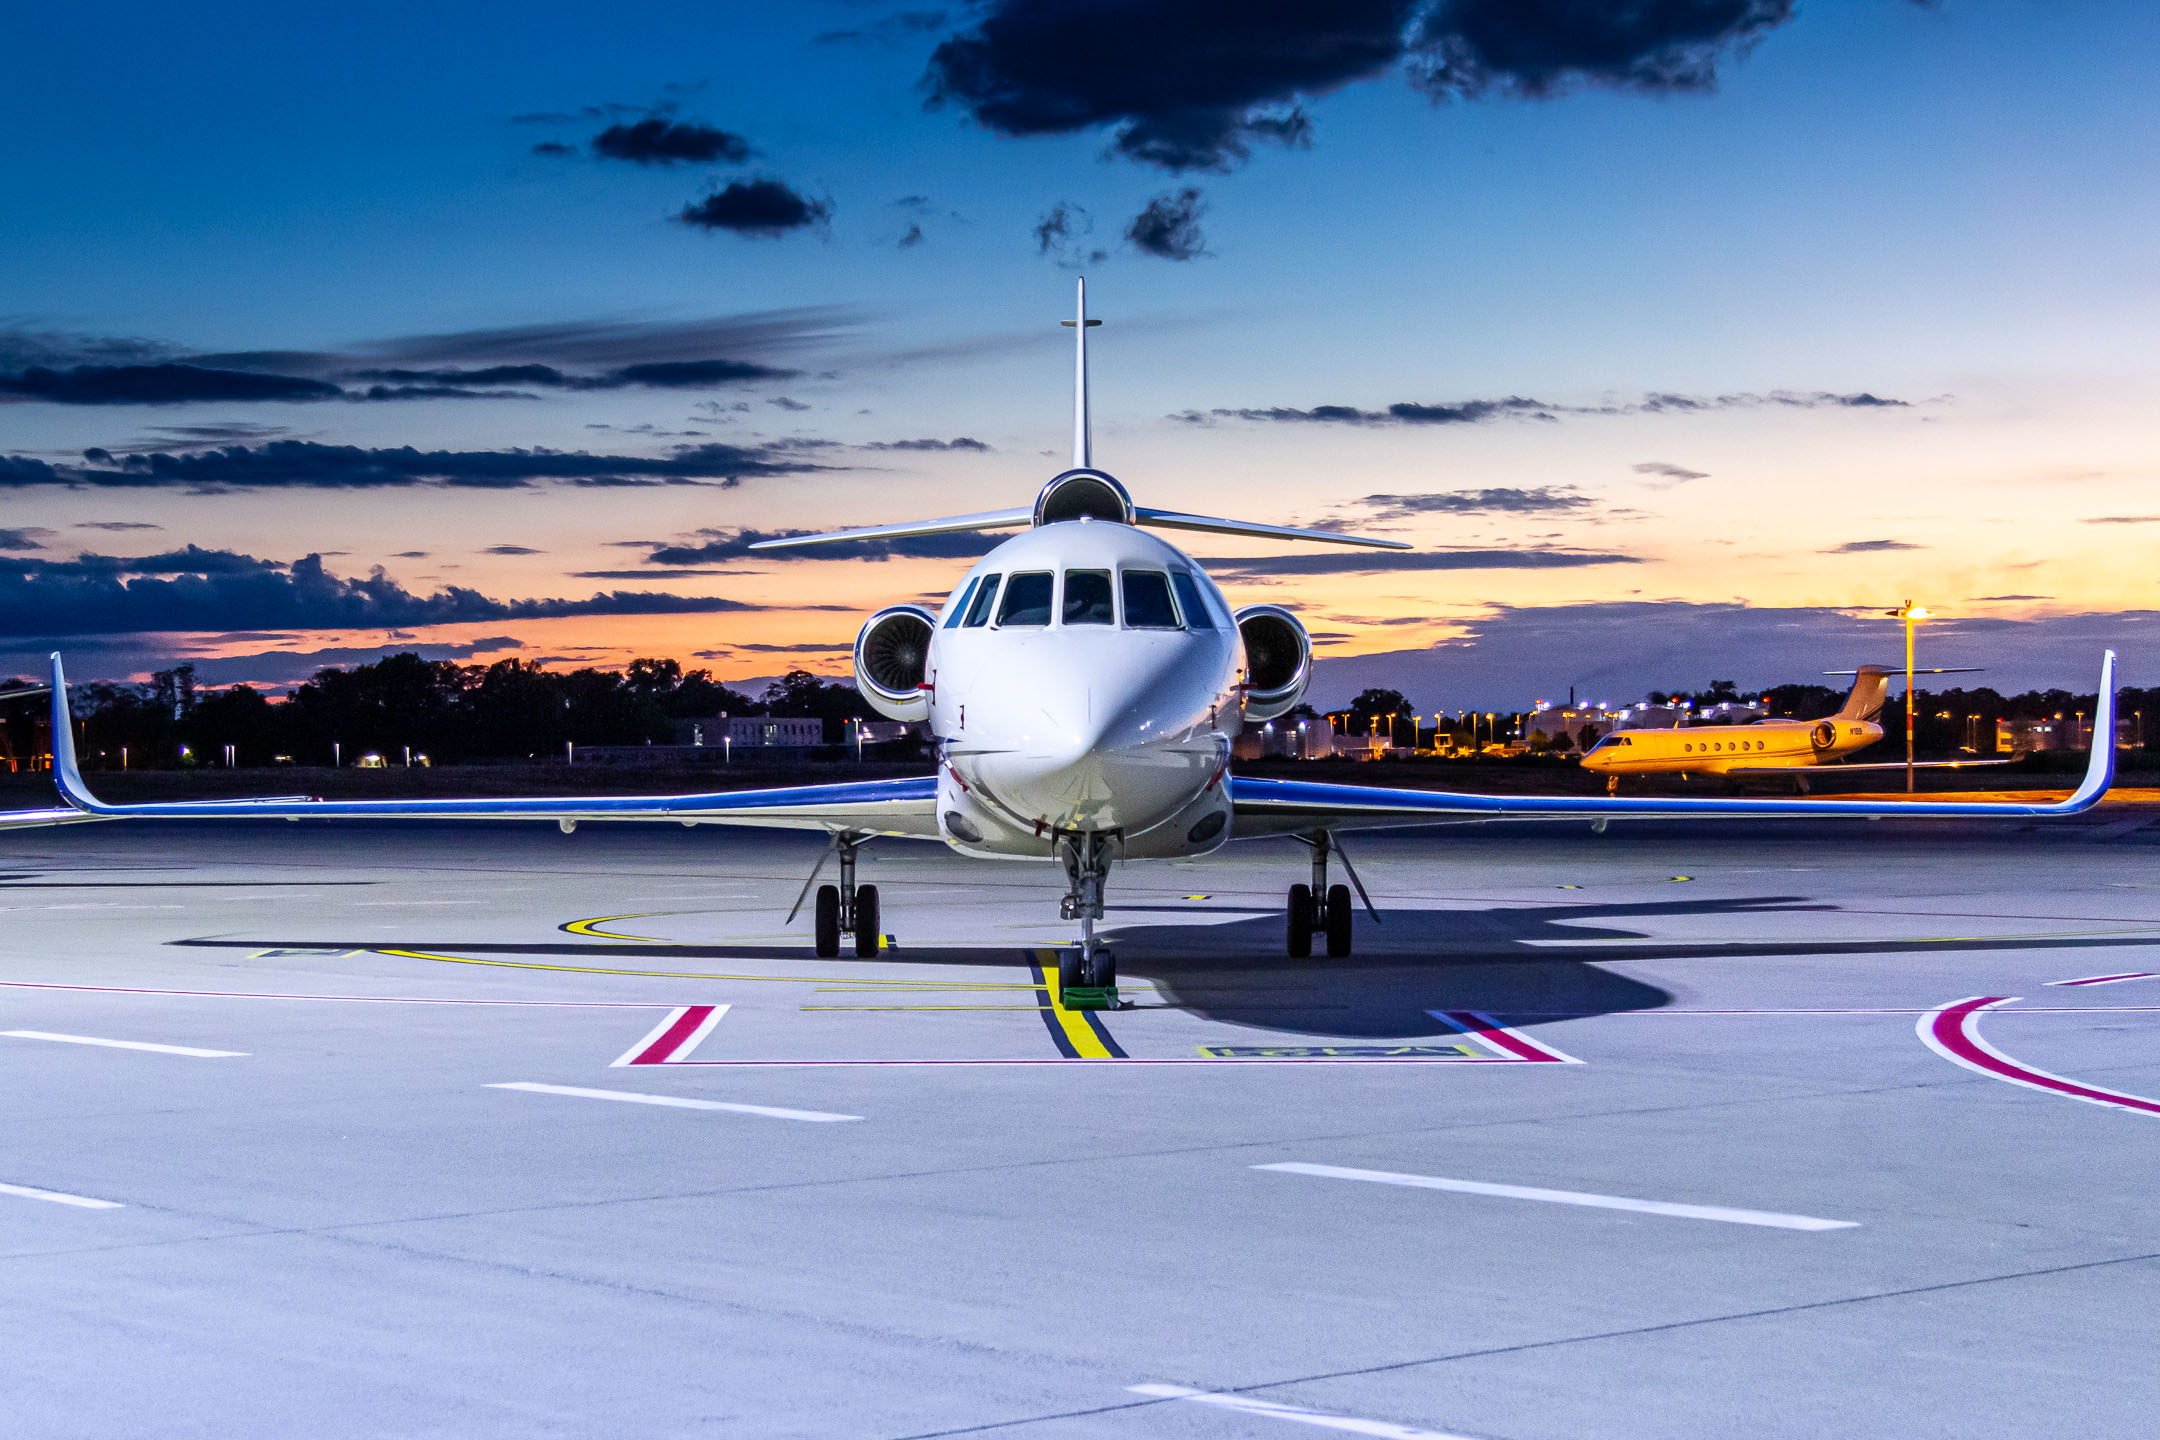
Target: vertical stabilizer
1082, 450
1870, 691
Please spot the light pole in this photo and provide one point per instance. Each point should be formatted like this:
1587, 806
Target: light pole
1912, 615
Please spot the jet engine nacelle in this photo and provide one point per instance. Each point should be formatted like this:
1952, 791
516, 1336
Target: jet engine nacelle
891, 651
1278, 660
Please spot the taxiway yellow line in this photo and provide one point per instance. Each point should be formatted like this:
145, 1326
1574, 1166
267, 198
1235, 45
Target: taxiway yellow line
1084, 1039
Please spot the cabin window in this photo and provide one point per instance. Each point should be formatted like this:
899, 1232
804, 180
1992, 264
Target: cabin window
1087, 598
1027, 599
1147, 600
978, 614
959, 606
1188, 594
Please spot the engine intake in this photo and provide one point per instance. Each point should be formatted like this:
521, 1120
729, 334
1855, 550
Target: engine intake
891, 652
1278, 660
1083, 493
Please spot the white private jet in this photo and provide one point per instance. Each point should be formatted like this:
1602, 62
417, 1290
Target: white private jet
1083, 683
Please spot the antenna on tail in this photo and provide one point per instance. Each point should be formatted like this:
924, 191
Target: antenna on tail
1081, 449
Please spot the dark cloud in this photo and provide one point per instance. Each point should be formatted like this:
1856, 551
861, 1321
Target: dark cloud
168, 384
302, 464
1502, 499
466, 365
1364, 561
116, 525
1673, 474
696, 374
1169, 227
207, 590
30, 537
1187, 86
1475, 412
656, 140
1536, 49
2123, 520
17, 471
764, 208
511, 550
610, 344
1977, 599
784, 402
958, 442
654, 374
1870, 547
553, 148
1064, 235
1193, 85
735, 545
912, 238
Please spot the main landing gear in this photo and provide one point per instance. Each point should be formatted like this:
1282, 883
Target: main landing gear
1087, 972
846, 908
1321, 908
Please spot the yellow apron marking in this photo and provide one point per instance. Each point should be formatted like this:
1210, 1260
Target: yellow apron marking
585, 927
605, 970
1078, 1033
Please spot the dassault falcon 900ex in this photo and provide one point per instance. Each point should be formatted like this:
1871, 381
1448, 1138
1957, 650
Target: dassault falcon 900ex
1083, 684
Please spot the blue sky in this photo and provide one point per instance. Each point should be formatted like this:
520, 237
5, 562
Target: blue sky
1949, 207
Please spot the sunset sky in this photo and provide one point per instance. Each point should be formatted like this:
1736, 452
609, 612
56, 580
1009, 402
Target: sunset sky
519, 317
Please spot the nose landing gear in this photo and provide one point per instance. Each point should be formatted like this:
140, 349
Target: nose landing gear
1087, 972
1321, 908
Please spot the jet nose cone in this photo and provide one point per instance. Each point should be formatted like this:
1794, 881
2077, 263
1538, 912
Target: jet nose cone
1088, 757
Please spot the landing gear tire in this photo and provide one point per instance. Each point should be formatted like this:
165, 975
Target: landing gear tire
828, 921
1301, 920
1338, 920
867, 933
1071, 971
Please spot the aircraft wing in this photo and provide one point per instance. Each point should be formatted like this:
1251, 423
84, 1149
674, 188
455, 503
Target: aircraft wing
902, 808
1282, 807
26, 819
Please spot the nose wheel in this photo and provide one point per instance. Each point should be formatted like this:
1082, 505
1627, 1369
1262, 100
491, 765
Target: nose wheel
1087, 972
1320, 908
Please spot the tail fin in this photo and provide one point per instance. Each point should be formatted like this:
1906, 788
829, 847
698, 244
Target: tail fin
1871, 689
1082, 449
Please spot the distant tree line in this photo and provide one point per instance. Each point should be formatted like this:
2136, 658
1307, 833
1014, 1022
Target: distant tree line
512, 709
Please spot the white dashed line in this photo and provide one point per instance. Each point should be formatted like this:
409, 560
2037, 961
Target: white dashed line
124, 1044
676, 1102
1246, 1405
1770, 1218
60, 1197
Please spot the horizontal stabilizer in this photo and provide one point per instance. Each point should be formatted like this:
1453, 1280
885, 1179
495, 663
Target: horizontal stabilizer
1176, 520
948, 525
1013, 519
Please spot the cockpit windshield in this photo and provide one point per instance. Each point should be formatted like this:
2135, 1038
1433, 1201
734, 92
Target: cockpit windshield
978, 614
1087, 598
1610, 742
1147, 601
1188, 594
1027, 599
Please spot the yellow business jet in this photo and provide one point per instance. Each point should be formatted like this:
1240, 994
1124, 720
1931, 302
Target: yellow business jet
1763, 747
